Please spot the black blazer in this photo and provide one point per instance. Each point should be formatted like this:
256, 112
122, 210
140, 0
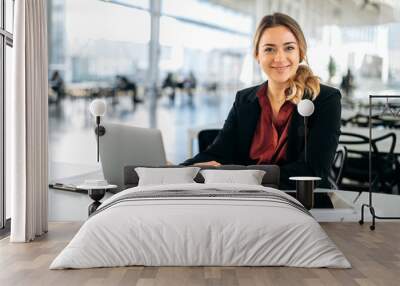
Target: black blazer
232, 145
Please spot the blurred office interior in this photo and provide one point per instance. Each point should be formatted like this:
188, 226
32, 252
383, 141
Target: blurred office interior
176, 65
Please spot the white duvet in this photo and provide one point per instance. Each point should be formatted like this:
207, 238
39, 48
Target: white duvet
200, 231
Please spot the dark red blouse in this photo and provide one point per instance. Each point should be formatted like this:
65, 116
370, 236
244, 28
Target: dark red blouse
270, 138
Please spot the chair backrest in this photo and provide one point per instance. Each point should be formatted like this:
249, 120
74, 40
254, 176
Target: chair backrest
356, 167
336, 173
356, 143
362, 120
206, 137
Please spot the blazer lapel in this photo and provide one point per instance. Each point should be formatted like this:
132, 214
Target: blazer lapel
295, 136
251, 114
254, 111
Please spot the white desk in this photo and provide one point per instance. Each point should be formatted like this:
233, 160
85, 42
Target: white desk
342, 211
69, 206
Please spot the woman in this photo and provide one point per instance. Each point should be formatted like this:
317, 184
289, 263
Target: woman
264, 127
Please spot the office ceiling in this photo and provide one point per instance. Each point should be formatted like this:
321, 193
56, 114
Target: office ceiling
339, 12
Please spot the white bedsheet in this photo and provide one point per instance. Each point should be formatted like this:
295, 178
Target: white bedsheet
194, 231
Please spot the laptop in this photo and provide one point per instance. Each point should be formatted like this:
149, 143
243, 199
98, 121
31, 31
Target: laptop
124, 145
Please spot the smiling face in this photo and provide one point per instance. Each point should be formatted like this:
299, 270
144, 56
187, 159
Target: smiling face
278, 54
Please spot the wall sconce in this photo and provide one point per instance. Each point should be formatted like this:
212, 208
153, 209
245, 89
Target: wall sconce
306, 109
98, 109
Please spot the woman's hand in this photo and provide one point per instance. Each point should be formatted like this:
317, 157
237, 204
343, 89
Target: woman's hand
209, 163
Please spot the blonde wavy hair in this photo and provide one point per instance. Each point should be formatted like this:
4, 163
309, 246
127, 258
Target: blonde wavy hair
304, 84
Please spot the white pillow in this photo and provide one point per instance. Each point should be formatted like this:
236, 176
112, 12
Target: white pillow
166, 176
249, 177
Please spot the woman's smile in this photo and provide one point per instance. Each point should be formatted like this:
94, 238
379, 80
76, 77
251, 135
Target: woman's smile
281, 69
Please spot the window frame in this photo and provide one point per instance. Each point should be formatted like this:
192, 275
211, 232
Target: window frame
6, 39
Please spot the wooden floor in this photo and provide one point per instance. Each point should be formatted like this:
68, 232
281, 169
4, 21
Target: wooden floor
374, 255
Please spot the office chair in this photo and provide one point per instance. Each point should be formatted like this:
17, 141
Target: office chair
356, 168
206, 137
336, 172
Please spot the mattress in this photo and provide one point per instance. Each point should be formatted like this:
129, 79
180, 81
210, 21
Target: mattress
201, 225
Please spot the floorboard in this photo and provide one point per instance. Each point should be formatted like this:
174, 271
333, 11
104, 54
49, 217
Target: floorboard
375, 257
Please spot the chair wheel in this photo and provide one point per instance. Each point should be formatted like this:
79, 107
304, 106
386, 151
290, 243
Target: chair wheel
361, 222
372, 227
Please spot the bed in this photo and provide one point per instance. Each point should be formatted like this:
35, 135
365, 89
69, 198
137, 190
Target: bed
201, 224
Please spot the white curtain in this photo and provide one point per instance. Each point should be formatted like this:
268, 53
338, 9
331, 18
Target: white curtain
27, 121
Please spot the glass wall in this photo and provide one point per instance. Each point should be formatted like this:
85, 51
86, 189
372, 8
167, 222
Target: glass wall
93, 44
99, 49
213, 55
197, 47
367, 52
8, 86
394, 55
112, 42
9, 15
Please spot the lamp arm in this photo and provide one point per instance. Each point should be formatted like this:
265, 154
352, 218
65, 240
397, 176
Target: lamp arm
98, 139
305, 137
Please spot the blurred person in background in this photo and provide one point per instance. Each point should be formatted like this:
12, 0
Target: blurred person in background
347, 85
190, 84
169, 86
57, 86
124, 84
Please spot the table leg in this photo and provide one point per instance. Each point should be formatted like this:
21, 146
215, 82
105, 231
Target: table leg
96, 195
93, 207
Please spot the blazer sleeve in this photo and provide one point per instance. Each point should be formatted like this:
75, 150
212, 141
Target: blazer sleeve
222, 149
322, 143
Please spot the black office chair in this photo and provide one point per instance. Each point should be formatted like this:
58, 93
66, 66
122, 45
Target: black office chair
356, 168
336, 172
206, 137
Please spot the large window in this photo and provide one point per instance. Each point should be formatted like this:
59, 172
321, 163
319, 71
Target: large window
92, 44
95, 43
6, 42
194, 40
